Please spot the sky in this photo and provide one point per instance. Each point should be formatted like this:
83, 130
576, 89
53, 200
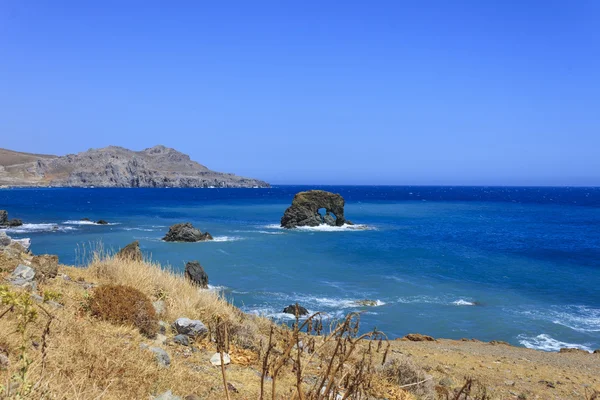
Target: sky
314, 92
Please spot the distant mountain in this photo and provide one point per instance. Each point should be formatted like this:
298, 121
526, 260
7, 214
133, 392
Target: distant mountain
112, 166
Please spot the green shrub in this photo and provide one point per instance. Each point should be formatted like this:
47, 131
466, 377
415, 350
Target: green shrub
121, 304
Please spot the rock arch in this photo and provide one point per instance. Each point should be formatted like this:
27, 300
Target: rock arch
304, 210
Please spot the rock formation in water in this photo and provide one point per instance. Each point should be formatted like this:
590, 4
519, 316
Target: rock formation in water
6, 223
113, 166
304, 210
185, 232
292, 308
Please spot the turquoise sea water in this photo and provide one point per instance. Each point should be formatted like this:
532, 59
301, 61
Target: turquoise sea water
514, 264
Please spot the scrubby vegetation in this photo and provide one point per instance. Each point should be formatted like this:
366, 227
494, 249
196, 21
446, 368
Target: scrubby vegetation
124, 305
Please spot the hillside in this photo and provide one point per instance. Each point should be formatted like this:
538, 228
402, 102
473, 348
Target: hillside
113, 166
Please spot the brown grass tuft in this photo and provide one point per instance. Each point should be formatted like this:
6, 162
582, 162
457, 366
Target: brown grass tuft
122, 304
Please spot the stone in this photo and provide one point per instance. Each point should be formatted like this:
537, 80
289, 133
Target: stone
160, 339
189, 327
163, 327
162, 357
3, 217
597, 351
232, 388
417, 337
304, 210
45, 265
183, 340
102, 222
216, 359
195, 273
85, 220
497, 342
168, 395
185, 232
22, 275
159, 306
573, 350
4, 362
14, 222
291, 309
366, 303
131, 252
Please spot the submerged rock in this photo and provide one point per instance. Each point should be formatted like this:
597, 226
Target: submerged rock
366, 303
102, 222
131, 252
185, 232
304, 210
291, 309
195, 273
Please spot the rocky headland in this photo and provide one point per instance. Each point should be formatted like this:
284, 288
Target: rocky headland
113, 166
305, 207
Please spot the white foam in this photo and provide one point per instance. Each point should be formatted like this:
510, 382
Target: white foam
547, 343
26, 228
139, 229
216, 288
461, 302
327, 228
225, 239
80, 222
579, 318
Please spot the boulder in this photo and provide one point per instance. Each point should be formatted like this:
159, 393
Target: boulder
304, 210
168, 395
185, 232
216, 359
195, 273
131, 252
14, 222
102, 222
291, 309
23, 276
45, 265
182, 340
5, 240
189, 327
417, 337
4, 362
162, 357
85, 220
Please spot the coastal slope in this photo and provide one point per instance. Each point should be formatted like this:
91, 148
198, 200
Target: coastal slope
113, 166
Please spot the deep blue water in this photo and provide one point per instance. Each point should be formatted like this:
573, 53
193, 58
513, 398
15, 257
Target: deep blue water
528, 257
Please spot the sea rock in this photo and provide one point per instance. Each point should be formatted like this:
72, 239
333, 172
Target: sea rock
185, 232
189, 327
195, 273
304, 210
102, 222
366, 303
162, 357
3, 217
5, 222
183, 340
417, 337
216, 359
85, 220
291, 309
131, 252
168, 395
45, 265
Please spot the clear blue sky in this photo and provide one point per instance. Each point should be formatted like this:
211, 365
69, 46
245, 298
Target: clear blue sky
384, 92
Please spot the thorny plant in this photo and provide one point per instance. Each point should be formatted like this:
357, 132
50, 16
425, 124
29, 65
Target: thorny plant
338, 378
26, 310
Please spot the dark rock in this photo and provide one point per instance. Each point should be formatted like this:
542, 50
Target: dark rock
3, 217
45, 265
185, 232
85, 219
189, 327
291, 309
131, 252
232, 388
162, 357
417, 337
168, 395
573, 350
496, 342
4, 362
14, 222
304, 210
195, 273
597, 351
102, 222
183, 340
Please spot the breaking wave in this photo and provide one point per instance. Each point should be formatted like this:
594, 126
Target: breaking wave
73, 222
328, 228
576, 317
547, 343
27, 228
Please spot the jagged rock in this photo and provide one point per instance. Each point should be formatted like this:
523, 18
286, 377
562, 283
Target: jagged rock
291, 309
162, 357
102, 222
131, 252
168, 395
189, 327
5, 222
195, 273
216, 359
183, 340
304, 210
417, 337
23, 276
185, 232
45, 265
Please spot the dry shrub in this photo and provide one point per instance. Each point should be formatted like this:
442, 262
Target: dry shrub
122, 304
404, 372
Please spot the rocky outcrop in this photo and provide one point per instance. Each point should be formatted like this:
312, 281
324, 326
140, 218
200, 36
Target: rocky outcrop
304, 210
131, 252
114, 166
195, 273
417, 337
45, 265
291, 309
8, 223
185, 232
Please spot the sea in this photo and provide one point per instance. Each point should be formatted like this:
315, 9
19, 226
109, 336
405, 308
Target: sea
517, 264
